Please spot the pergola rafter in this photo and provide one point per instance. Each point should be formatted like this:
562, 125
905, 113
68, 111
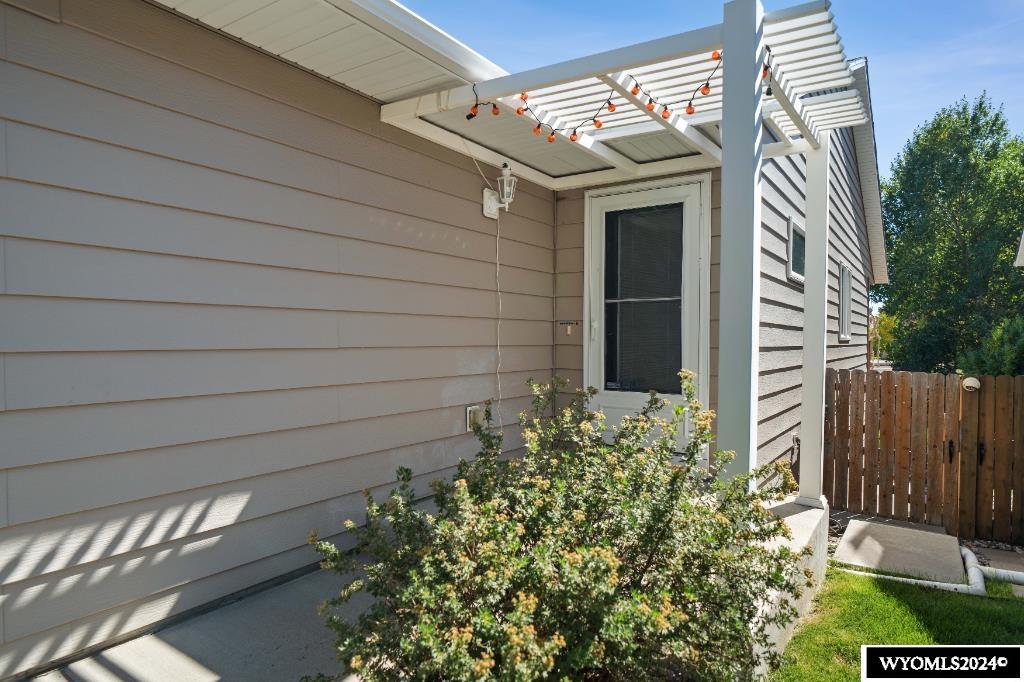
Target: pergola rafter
811, 93
676, 125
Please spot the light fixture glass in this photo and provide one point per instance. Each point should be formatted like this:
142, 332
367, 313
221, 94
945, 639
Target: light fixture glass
506, 186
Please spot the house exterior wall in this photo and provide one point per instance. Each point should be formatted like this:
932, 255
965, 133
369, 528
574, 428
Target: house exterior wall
231, 300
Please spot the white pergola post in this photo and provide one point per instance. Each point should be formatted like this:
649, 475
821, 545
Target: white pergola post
812, 411
742, 40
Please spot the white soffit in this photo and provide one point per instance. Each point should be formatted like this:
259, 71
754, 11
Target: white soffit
376, 47
867, 169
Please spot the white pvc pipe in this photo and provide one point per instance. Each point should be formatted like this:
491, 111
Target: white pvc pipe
975, 577
1015, 577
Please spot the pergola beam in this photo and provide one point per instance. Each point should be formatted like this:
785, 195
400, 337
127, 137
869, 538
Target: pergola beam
611, 61
675, 124
591, 146
793, 107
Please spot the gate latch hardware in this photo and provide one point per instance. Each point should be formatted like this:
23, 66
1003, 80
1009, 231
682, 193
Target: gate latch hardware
950, 450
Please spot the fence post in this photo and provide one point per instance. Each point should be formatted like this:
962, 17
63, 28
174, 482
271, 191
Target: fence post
901, 479
828, 440
986, 472
936, 447
871, 408
842, 441
857, 394
887, 435
1002, 464
968, 462
951, 456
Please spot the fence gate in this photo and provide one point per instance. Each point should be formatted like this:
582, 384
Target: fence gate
918, 447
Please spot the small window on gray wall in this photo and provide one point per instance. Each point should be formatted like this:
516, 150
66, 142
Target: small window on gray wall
796, 260
844, 302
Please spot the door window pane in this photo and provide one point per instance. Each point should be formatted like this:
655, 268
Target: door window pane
643, 287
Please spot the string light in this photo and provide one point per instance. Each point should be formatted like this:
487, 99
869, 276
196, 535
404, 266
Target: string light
524, 108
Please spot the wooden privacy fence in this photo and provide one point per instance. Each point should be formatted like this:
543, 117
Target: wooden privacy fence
918, 447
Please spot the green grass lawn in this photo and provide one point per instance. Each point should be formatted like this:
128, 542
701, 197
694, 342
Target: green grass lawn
852, 610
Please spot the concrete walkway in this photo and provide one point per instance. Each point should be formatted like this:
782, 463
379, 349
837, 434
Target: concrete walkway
909, 549
271, 635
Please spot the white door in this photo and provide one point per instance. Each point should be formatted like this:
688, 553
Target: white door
646, 295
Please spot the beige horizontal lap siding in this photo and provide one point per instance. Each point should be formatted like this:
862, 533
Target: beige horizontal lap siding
783, 191
231, 300
570, 283
848, 243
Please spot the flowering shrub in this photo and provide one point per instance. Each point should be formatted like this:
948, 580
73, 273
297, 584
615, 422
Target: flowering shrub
585, 558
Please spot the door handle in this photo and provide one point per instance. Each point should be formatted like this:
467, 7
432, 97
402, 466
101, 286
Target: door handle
593, 330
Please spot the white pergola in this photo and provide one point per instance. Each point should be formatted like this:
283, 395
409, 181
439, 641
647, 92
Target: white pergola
813, 90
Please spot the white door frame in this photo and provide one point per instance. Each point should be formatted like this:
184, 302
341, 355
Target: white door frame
694, 192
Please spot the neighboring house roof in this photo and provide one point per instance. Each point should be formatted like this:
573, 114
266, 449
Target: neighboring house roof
867, 166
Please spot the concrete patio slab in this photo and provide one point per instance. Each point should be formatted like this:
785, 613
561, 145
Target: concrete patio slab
272, 635
1008, 561
919, 551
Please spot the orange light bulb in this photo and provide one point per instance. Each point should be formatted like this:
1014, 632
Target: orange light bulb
690, 109
611, 108
705, 89
474, 110
573, 137
598, 123
551, 138
764, 72
536, 131
665, 113
495, 110
650, 105
716, 55
523, 96
635, 89
520, 111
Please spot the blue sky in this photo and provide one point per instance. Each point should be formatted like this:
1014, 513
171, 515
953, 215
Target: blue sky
923, 54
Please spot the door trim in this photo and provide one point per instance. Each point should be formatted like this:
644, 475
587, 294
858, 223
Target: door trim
670, 190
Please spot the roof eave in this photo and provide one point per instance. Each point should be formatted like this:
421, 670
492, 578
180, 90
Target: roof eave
867, 162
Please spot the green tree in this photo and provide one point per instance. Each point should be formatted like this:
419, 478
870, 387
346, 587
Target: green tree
883, 328
954, 210
1001, 353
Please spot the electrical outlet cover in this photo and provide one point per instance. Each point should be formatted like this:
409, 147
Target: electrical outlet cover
491, 205
474, 415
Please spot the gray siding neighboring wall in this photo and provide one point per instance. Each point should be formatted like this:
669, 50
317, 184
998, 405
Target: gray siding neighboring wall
231, 300
848, 244
783, 196
784, 185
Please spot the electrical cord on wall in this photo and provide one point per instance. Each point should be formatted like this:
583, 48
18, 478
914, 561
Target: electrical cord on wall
497, 277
